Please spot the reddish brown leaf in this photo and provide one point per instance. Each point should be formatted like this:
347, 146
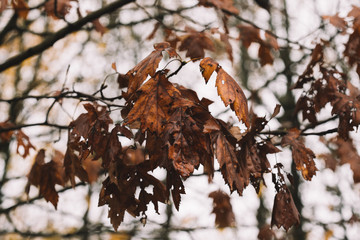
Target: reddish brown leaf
146, 67
265, 55
187, 145
93, 127
207, 67
73, 165
316, 57
231, 94
233, 171
352, 47
337, 21
99, 27
330, 161
152, 107
226, 5
285, 213
303, 157
152, 34
6, 135
347, 108
23, 142
270, 41
58, 10
121, 196
123, 80
21, 8
322, 91
253, 154
355, 13
175, 184
250, 34
276, 111
133, 157
114, 148
347, 153
45, 176
195, 44
225, 39
92, 168
266, 233
222, 209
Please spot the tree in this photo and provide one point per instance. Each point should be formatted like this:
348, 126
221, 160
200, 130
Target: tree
134, 136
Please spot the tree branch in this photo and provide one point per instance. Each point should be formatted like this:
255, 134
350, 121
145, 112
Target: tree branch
50, 40
20, 203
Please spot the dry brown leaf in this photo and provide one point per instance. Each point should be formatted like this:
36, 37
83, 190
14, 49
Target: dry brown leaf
285, 213
222, 208
58, 11
337, 21
231, 94
195, 44
45, 176
303, 157
207, 67
136, 76
21, 8
152, 107
23, 142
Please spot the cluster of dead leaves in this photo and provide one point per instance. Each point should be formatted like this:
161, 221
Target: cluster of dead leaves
332, 88
195, 43
172, 129
176, 131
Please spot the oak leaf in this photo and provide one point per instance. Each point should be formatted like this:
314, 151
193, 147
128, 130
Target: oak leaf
222, 208
120, 196
93, 128
303, 157
187, 145
346, 152
207, 67
228, 89
92, 168
285, 213
152, 107
347, 108
233, 171
231, 94
23, 142
195, 44
174, 185
250, 34
73, 163
45, 176
137, 75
